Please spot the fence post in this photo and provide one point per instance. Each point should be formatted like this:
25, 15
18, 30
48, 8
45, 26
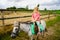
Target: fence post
55, 14
15, 12
2, 15
48, 15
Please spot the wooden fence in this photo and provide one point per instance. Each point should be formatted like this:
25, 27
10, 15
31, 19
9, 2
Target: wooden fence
3, 22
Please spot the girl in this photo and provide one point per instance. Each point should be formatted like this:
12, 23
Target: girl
36, 17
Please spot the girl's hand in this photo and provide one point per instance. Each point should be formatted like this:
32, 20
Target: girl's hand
38, 33
34, 20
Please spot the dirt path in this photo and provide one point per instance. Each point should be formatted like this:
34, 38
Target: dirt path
49, 32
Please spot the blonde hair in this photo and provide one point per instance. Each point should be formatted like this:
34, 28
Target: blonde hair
35, 9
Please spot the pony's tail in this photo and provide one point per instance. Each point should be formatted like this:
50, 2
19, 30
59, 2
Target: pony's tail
46, 30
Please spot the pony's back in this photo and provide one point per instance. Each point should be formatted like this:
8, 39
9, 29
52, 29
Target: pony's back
43, 23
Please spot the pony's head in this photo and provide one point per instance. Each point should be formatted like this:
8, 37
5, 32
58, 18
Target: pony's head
16, 23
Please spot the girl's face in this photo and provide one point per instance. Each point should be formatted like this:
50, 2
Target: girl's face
36, 8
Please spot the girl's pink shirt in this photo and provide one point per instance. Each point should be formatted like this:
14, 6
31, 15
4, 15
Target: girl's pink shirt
36, 16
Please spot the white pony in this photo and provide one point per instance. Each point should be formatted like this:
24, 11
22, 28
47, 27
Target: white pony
26, 27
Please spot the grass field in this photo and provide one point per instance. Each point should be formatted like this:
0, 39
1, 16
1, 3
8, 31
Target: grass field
53, 27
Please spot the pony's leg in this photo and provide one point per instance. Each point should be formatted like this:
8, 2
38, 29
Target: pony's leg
31, 37
38, 35
42, 33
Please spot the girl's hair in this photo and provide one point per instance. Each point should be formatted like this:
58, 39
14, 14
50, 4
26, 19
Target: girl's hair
36, 9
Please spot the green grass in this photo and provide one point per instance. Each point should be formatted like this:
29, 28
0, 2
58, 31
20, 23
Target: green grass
55, 24
52, 22
30, 11
22, 36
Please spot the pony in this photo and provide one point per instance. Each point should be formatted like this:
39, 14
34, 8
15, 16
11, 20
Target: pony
26, 27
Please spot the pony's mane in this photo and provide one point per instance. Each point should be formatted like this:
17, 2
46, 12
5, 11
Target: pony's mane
26, 22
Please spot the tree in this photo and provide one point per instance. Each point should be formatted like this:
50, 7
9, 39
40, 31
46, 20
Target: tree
45, 9
27, 7
11, 7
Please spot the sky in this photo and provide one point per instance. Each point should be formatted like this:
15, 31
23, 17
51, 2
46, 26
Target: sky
49, 4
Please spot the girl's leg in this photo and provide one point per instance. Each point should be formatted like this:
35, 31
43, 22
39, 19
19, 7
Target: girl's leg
38, 23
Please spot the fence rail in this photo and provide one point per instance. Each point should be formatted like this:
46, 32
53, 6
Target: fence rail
3, 19
14, 17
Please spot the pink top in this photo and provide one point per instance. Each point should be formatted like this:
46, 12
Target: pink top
36, 16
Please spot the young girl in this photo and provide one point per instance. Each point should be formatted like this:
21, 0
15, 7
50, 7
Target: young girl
36, 17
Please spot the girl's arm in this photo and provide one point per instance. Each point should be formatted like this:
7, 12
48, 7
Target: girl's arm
32, 18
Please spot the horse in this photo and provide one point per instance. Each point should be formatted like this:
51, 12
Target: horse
26, 27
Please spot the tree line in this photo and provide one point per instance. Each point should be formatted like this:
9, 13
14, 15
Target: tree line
14, 8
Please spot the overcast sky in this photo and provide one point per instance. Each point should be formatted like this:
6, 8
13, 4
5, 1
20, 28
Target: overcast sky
49, 4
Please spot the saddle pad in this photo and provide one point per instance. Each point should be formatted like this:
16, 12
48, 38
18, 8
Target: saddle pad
32, 29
